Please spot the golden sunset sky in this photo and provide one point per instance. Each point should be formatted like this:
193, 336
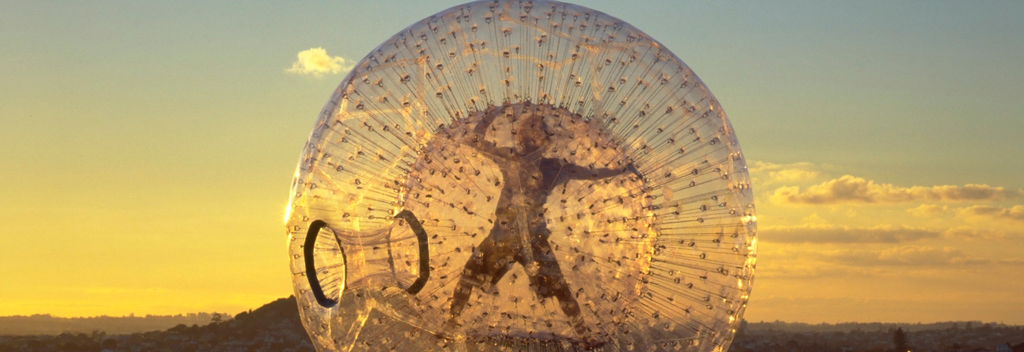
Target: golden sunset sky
147, 148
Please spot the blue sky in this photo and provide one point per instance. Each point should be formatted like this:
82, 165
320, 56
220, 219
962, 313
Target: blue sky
146, 148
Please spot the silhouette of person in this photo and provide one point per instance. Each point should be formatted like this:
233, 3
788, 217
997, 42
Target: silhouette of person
520, 233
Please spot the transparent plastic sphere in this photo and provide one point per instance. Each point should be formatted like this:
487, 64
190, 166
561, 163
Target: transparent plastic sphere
527, 175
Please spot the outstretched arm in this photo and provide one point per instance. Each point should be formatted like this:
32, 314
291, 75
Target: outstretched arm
582, 172
476, 137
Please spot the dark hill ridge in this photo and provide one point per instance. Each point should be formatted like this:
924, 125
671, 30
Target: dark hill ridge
851, 326
281, 308
272, 327
276, 327
51, 325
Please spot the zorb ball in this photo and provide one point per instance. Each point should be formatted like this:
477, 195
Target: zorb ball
521, 175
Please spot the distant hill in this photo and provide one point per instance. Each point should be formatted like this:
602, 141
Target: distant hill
276, 326
847, 327
970, 336
272, 327
50, 325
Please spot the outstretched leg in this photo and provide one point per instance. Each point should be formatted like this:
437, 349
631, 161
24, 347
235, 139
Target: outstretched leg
549, 282
489, 263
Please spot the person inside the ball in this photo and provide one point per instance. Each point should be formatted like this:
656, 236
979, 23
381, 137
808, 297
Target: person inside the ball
520, 233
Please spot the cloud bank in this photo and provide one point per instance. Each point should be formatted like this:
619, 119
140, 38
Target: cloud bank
1016, 213
315, 62
905, 256
850, 189
844, 234
971, 233
928, 210
769, 173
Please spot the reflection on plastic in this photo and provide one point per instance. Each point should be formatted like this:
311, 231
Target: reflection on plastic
530, 175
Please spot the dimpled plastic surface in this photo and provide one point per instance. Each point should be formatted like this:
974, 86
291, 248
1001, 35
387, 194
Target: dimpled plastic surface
523, 176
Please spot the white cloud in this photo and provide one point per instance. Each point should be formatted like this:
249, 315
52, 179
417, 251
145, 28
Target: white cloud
316, 62
850, 189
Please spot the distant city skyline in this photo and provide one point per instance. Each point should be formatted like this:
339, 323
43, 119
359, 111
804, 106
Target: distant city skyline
146, 148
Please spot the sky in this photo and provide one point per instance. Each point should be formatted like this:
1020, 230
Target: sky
147, 148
